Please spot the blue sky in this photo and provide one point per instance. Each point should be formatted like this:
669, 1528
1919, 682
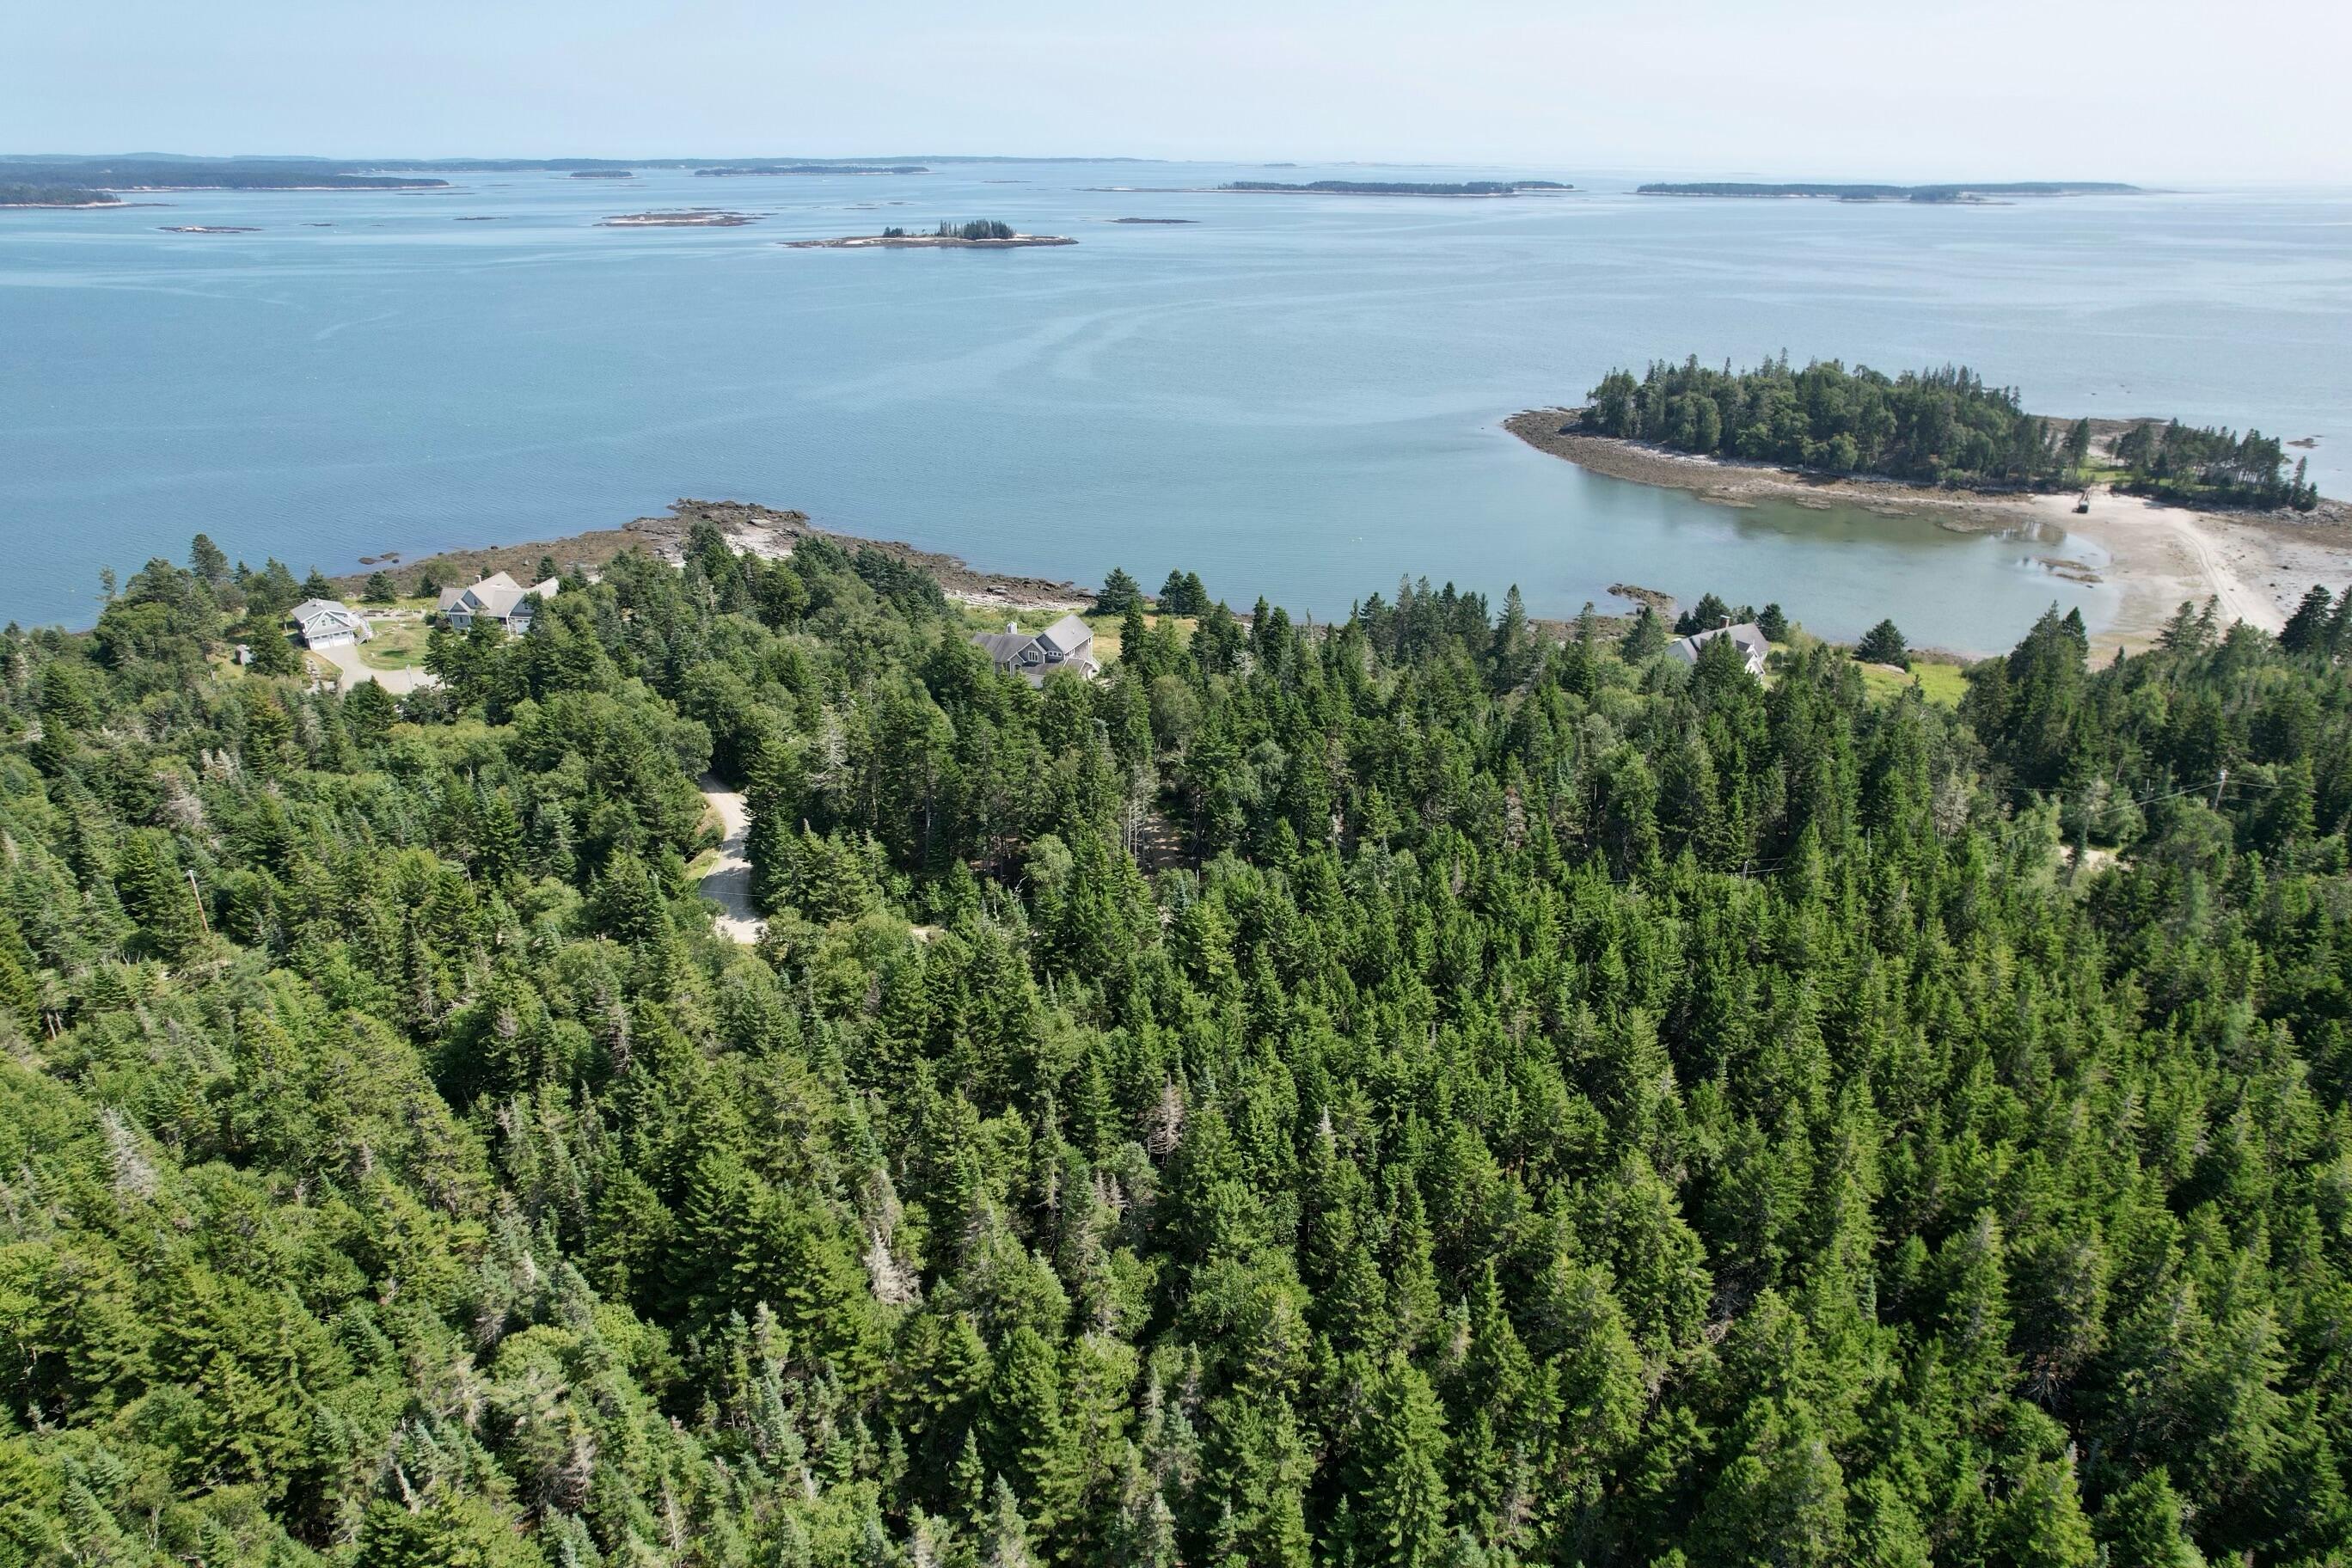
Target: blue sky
2160, 89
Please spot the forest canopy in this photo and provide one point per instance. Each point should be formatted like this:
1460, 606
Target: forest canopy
1411, 1091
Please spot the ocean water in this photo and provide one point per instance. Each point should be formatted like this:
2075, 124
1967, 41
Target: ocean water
1298, 396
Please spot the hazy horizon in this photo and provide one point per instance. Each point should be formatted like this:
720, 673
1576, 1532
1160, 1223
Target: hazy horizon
1837, 90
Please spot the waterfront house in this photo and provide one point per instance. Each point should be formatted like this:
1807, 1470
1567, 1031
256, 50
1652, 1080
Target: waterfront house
330, 623
1067, 644
497, 598
1752, 644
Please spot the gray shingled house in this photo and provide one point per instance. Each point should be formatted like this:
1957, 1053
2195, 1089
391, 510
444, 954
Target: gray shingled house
497, 597
330, 623
1752, 644
1067, 644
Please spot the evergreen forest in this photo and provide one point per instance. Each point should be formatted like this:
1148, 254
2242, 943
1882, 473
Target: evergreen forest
2178, 463
1937, 425
1427, 1090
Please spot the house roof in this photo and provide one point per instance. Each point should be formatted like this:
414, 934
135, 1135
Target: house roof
311, 610
1004, 648
1066, 636
495, 595
1746, 637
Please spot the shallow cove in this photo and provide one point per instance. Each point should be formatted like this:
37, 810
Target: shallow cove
1802, 555
1295, 397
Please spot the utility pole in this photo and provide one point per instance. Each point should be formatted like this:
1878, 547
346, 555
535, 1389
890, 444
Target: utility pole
2217, 788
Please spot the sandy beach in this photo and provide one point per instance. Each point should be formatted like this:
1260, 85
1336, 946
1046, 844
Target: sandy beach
2257, 566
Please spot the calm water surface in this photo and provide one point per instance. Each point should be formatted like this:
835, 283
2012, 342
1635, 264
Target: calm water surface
1295, 396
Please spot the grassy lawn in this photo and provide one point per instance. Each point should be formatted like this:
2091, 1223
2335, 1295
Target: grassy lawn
1942, 684
397, 645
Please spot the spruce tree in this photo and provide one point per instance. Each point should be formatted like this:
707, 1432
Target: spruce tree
2307, 630
1884, 644
1645, 639
1397, 1486
1120, 594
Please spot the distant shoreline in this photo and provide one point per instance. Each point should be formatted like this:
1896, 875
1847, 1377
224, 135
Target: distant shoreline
1988, 193
756, 171
435, 186
1477, 190
1532, 188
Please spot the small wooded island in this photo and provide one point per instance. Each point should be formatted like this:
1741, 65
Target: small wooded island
1926, 194
1942, 426
978, 234
1396, 187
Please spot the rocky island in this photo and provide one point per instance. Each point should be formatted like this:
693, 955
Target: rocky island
683, 217
980, 234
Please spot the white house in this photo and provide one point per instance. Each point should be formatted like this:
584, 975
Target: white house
1752, 644
1067, 644
330, 623
497, 597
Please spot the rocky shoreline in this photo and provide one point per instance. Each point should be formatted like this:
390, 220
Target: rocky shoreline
763, 530
688, 217
924, 242
1732, 482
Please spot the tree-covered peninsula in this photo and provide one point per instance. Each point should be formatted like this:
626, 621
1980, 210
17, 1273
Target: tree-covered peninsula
162, 174
54, 196
1414, 1091
1942, 426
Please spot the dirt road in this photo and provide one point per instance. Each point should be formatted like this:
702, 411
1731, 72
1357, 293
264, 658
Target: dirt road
729, 883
